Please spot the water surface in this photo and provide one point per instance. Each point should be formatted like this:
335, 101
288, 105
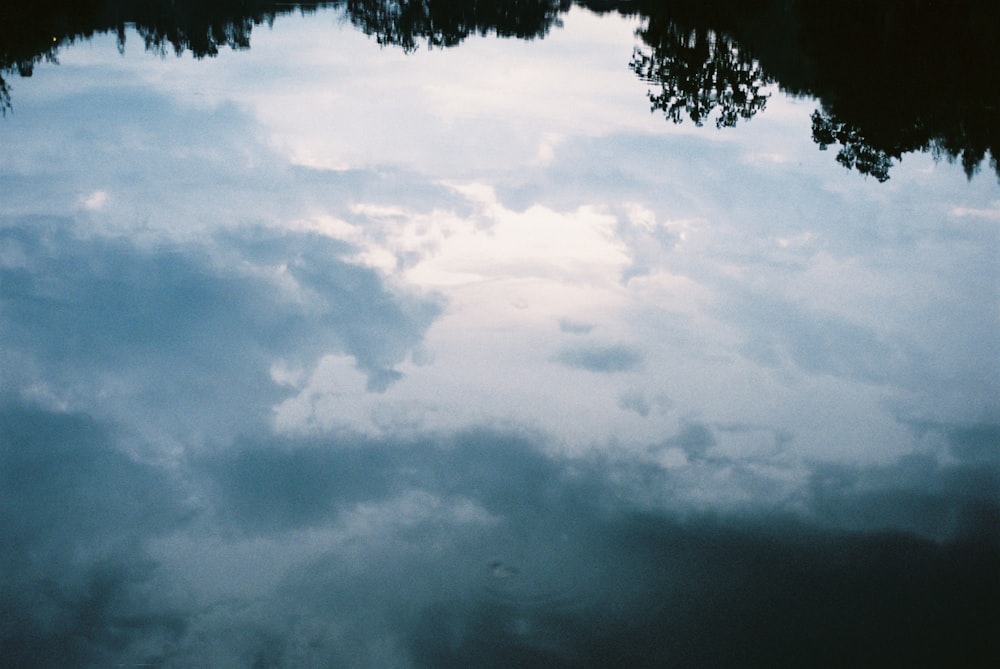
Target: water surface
535, 336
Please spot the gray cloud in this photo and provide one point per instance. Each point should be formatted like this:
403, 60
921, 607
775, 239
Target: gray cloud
75, 516
186, 335
572, 575
602, 359
635, 401
574, 327
969, 442
694, 439
65, 480
779, 330
476, 548
915, 494
975, 443
720, 594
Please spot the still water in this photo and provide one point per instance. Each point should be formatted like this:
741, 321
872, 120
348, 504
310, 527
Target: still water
454, 336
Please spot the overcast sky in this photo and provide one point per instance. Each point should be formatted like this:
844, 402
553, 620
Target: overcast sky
323, 354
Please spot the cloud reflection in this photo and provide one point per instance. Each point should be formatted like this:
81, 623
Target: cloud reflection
186, 335
615, 358
642, 403
361, 550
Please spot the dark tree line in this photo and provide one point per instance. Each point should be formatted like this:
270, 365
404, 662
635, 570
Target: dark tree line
446, 23
699, 73
911, 75
891, 76
33, 31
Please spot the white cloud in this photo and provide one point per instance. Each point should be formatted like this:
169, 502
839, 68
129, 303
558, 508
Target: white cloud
990, 214
94, 201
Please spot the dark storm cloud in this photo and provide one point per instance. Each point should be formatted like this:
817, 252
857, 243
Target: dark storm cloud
602, 359
75, 513
475, 548
571, 574
737, 594
64, 480
915, 494
694, 439
975, 443
285, 483
276, 485
190, 332
969, 442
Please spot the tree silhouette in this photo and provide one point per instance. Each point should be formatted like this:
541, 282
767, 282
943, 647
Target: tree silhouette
901, 76
699, 72
891, 76
33, 32
855, 152
446, 23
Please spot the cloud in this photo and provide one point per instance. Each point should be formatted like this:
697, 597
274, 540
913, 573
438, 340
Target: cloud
65, 480
979, 442
915, 494
635, 401
274, 487
990, 214
570, 326
76, 515
187, 334
570, 575
724, 595
694, 439
602, 359
477, 548
95, 200
780, 331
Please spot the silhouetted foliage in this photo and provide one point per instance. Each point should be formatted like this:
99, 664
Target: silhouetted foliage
202, 28
891, 76
699, 73
899, 76
32, 32
855, 152
446, 23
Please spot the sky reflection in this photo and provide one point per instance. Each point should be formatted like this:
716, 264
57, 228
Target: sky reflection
328, 354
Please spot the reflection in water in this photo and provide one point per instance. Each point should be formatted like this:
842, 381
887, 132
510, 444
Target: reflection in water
893, 77
699, 72
326, 354
446, 23
855, 152
931, 67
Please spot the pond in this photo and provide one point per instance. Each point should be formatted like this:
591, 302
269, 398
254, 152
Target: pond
499, 334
